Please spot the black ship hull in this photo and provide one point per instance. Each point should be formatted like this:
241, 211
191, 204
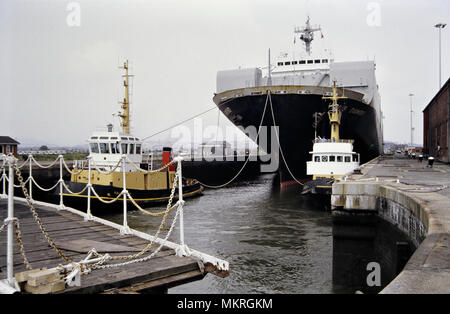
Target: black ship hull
293, 114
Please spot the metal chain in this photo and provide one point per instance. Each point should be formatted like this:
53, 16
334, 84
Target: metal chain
85, 268
36, 216
161, 226
15, 221
20, 244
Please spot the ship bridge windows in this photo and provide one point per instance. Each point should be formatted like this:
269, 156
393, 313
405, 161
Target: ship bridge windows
317, 61
124, 138
124, 148
310, 61
138, 149
316, 158
332, 158
355, 157
94, 148
324, 60
339, 158
104, 148
302, 62
115, 148
347, 158
280, 63
287, 63
131, 148
324, 158
294, 62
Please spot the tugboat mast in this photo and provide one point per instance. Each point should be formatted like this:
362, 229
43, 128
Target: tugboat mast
125, 115
334, 113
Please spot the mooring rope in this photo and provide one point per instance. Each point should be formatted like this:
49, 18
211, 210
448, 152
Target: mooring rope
248, 157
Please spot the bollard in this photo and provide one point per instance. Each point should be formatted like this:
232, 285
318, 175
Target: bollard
430, 162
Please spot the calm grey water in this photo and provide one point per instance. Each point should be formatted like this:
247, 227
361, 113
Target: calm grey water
275, 242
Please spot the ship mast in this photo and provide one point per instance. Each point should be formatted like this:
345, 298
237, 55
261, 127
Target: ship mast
334, 113
307, 34
125, 115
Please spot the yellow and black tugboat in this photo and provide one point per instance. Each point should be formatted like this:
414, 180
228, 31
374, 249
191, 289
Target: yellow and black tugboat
115, 157
331, 158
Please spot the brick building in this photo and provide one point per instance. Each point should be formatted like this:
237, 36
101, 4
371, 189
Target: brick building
436, 125
8, 145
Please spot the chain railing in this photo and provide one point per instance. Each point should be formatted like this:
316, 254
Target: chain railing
93, 260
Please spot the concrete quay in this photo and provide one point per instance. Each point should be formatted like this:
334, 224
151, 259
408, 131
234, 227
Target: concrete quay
413, 197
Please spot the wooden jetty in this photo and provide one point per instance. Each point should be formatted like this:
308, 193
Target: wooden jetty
70, 231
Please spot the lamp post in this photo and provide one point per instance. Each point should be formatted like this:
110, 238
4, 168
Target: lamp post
411, 116
440, 26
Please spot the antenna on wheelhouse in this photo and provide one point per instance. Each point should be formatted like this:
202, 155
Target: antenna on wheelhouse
307, 34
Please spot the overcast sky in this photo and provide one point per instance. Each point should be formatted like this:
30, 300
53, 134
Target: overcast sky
60, 81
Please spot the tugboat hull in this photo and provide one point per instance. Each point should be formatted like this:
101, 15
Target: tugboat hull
143, 198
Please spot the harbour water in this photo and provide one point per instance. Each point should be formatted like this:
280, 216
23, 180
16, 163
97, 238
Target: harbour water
275, 242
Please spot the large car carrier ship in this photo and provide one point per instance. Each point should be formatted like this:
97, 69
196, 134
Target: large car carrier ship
289, 96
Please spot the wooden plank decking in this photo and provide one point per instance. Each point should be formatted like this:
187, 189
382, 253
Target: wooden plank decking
156, 274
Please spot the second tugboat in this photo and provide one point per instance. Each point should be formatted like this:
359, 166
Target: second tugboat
106, 149
331, 158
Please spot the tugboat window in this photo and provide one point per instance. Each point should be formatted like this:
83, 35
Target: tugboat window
310, 61
138, 149
117, 146
294, 62
94, 148
332, 158
124, 148
347, 158
339, 158
317, 158
355, 158
280, 63
324, 60
324, 158
287, 63
317, 61
104, 148
131, 148
302, 62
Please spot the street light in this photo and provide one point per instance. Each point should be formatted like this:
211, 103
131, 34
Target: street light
440, 26
412, 129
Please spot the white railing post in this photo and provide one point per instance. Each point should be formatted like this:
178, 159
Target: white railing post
125, 228
88, 211
4, 179
61, 204
180, 200
10, 235
30, 176
182, 250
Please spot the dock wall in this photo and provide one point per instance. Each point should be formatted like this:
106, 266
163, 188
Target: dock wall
423, 216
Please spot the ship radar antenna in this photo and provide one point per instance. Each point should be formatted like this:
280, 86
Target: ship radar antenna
334, 113
307, 34
125, 114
